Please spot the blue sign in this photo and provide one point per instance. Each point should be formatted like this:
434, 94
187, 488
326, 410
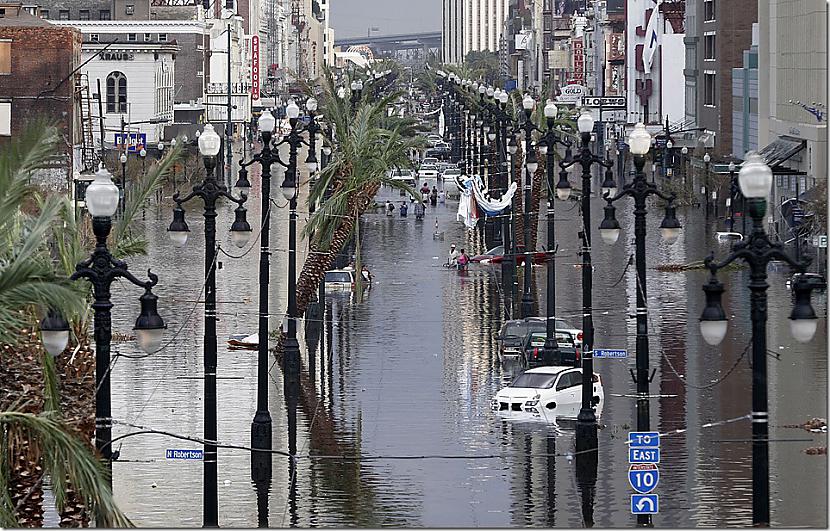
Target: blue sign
643, 455
645, 504
621, 145
643, 439
195, 455
135, 141
609, 353
511, 84
643, 478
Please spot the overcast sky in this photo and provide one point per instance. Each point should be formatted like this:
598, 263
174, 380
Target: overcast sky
351, 18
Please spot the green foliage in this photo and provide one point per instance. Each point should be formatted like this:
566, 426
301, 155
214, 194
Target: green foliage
483, 65
30, 282
64, 455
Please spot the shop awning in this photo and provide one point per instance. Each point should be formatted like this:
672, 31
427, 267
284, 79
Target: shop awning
781, 150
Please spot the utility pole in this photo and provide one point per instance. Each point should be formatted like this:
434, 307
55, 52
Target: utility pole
229, 124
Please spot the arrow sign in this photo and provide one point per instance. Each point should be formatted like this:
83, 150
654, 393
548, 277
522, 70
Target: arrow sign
643, 478
645, 504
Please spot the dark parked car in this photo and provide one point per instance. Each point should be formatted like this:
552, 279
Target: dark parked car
536, 356
513, 334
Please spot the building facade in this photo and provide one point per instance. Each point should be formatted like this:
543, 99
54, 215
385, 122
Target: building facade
471, 26
134, 67
792, 92
745, 101
718, 33
41, 85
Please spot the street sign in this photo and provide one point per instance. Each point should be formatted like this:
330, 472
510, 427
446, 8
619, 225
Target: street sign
192, 455
643, 455
643, 478
645, 504
820, 241
609, 353
644, 439
621, 145
604, 101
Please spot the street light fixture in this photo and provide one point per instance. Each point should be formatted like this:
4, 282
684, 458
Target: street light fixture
210, 191
755, 179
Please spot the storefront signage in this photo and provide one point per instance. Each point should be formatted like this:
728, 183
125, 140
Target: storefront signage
579, 60
255, 67
116, 56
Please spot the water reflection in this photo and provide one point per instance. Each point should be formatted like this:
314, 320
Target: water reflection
410, 370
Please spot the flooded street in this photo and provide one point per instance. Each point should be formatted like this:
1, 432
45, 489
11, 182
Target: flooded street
404, 379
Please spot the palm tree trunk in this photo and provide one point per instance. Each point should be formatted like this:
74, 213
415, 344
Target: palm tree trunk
519, 197
538, 191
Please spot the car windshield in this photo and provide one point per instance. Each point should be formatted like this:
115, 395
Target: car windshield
338, 276
535, 380
496, 251
537, 340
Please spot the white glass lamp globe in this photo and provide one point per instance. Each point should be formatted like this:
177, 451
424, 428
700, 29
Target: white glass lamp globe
209, 142
528, 103
707, 158
311, 104
550, 110
713, 332
503, 97
639, 140
102, 195
266, 122
123, 158
291, 110
755, 177
585, 122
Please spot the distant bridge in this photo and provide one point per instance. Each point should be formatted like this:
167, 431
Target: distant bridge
392, 43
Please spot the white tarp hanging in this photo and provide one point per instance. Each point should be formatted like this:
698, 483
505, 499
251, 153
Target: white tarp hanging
474, 195
441, 122
654, 35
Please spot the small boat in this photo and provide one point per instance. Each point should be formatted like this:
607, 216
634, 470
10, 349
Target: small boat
729, 236
244, 342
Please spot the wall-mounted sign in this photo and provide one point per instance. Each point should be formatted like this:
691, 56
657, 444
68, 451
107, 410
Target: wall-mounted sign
116, 56
579, 60
255, 67
571, 93
135, 141
524, 41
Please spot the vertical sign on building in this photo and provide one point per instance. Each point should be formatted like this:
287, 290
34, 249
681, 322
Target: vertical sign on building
579, 61
255, 67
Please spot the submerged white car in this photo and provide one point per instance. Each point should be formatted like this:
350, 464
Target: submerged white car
546, 393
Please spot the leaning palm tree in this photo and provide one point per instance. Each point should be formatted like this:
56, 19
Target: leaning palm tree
364, 155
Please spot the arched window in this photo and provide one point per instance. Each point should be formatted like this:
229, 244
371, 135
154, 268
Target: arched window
116, 92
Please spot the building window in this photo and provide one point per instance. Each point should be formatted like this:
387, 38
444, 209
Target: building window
709, 47
93, 37
148, 37
162, 37
44, 13
130, 10
709, 88
708, 10
63, 14
131, 37
5, 57
117, 92
83, 14
5, 119
104, 14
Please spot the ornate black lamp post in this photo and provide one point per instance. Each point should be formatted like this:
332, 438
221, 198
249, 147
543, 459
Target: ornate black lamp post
101, 269
639, 189
531, 165
755, 180
210, 191
547, 147
289, 191
586, 427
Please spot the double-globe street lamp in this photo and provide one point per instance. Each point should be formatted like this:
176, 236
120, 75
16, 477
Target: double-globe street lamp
101, 269
640, 190
210, 191
586, 427
289, 191
755, 180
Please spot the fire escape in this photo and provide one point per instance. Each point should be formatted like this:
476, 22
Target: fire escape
84, 102
298, 21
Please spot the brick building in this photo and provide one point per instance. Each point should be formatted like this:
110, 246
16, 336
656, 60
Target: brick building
37, 80
718, 32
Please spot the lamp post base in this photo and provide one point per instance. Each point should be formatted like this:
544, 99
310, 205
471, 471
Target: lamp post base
586, 430
261, 430
527, 306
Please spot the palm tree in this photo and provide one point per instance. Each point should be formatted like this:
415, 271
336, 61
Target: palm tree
33, 277
364, 155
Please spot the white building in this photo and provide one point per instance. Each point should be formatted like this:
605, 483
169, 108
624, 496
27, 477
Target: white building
660, 93
240, 70
792, 92
136, 75
471, 26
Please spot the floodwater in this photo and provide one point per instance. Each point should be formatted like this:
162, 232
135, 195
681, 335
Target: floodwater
404, 377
